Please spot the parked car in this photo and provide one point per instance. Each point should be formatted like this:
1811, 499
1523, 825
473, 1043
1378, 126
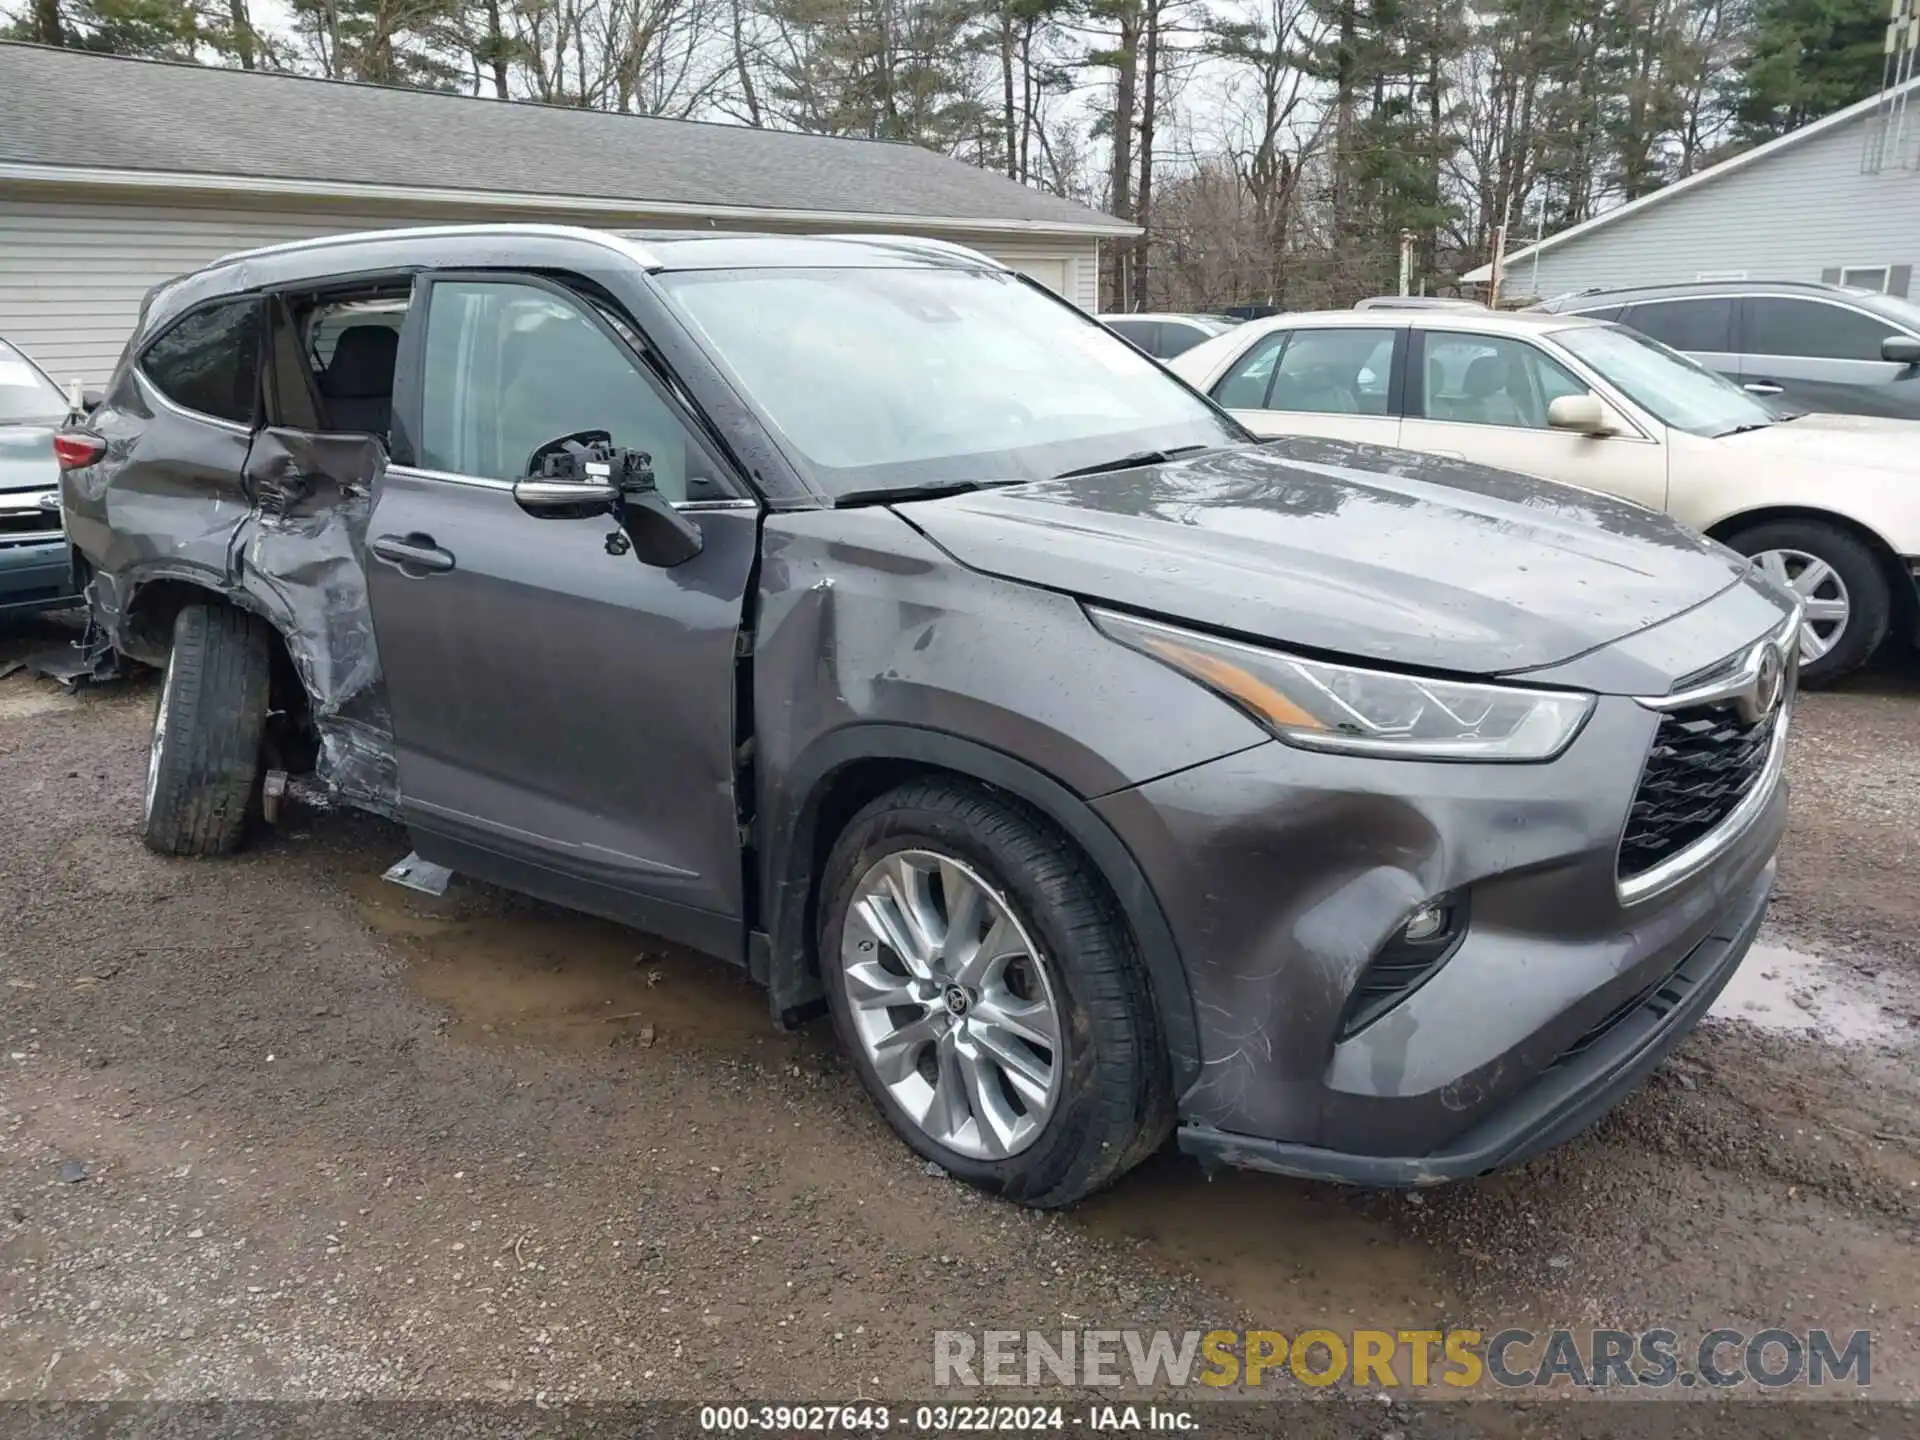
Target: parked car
936, 656
1824, 504
1164, 336
34, 569
1801, 347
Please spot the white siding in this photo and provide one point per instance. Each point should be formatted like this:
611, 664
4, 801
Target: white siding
1789, 216
72, 272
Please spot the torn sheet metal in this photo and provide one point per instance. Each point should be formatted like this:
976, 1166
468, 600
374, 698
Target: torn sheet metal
90, 660
302, 563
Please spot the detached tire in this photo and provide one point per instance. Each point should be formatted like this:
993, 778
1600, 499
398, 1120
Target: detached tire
1849, 602
204, 758
989, 993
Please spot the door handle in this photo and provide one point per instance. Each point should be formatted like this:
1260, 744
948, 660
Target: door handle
1757, 387
414, 553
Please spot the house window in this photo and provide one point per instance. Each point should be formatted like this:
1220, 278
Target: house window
1866, 277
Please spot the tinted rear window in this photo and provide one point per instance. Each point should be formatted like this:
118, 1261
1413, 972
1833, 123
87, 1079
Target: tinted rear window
1686, 324
210, 361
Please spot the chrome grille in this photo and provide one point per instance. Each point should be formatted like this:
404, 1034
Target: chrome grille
1703, 762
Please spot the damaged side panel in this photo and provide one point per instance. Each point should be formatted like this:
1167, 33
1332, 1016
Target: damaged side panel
302, 564
289, 546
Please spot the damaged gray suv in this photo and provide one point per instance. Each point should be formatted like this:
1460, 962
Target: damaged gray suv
861, 614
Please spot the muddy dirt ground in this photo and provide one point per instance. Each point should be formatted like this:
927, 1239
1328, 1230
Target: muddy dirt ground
270, 1126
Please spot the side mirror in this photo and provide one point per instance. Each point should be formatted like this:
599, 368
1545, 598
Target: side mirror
1900, 349
585, 474
566, 499
93, 399
1582, 414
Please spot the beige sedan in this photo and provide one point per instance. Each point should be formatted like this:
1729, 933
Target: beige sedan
1829, 504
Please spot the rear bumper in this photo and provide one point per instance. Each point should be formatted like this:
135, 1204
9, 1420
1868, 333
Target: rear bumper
1570, 1095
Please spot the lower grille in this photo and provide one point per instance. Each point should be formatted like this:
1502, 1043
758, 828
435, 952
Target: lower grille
1703, 762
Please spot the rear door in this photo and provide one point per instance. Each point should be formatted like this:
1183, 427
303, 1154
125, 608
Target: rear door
1336, 382
563, 714
1484, 398
1818, 355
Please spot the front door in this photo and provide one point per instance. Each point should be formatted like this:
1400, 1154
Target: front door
1484, 398
563, 714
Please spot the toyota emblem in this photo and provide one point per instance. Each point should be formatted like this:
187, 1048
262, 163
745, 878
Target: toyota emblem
1769, 684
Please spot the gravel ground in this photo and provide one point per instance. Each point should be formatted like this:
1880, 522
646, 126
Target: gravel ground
271, 1127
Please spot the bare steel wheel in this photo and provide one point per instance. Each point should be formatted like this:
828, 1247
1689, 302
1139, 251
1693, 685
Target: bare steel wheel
952, 1003
989, 994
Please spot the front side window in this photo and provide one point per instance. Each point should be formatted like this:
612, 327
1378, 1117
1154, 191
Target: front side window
1244, 387
510, 367
893, 376
1338, 372
210, 361
1705, 325
25, 394
1811, 330
1491, 380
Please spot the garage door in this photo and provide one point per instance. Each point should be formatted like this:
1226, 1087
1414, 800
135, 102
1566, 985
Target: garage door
1050, 273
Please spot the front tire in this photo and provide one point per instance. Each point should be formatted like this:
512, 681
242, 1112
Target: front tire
989, 994
204, 758
1840, 579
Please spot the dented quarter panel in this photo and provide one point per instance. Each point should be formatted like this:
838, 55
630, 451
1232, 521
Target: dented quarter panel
176, 502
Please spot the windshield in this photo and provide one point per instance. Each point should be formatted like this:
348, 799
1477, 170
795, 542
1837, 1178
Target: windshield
881, 379
1664, 382
26, 394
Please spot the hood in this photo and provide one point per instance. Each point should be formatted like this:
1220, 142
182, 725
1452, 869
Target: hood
1866, 442
26, 458
1353, 550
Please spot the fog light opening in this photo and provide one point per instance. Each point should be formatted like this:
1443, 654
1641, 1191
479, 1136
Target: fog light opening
1428, 922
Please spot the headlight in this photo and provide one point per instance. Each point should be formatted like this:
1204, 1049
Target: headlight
1319, 706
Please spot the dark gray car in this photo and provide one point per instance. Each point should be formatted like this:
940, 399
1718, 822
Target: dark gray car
1821, 348
865, 616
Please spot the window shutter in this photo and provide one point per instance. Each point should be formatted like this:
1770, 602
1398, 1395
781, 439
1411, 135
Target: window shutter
1830, 277
1898, 279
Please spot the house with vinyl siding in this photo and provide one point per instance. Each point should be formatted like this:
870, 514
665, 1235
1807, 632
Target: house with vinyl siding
1837, 200
116, 174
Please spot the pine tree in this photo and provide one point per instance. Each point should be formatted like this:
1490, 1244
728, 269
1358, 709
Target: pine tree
1808, 59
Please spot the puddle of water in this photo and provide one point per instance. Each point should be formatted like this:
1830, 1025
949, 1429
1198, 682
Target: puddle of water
1293, 1255
557, 979
1791, 992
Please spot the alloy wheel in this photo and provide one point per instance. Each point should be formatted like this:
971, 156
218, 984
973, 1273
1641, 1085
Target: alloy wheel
952, 1004
1820, 589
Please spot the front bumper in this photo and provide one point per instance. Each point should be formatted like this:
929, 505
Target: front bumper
1282, 874
1571, 1094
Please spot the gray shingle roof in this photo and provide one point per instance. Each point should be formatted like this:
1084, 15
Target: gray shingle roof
69, 108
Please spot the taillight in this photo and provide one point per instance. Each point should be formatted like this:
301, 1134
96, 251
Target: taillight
75, 449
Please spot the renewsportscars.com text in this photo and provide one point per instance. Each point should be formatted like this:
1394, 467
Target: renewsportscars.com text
1396, 1359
